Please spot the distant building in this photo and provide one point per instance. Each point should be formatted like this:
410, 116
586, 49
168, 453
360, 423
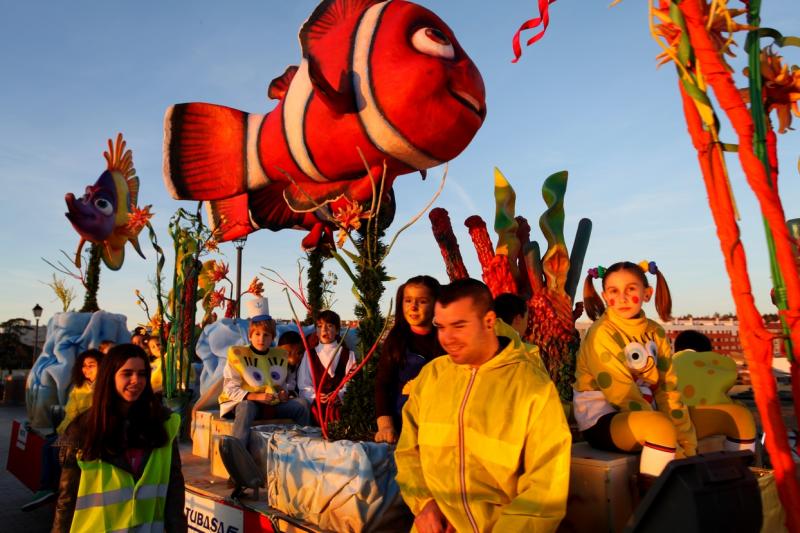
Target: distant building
724, 334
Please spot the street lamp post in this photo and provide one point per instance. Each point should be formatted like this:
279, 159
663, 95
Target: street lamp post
37, 314
239, 244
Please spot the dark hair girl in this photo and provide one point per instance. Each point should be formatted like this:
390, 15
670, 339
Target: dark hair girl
127, 439
409, 345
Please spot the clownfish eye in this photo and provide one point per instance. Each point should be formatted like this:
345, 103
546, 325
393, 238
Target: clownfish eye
433, 42
104, 206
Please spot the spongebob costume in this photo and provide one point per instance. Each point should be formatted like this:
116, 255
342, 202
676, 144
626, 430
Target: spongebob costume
628, 396
250, 370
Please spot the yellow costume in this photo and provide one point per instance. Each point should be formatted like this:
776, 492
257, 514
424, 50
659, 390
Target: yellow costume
78, 401
490, 445
247, 371
619, 361
704, 379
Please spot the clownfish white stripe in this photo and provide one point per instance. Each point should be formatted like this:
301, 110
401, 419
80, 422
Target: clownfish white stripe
253, 222
295, 105
256, 177
375, 124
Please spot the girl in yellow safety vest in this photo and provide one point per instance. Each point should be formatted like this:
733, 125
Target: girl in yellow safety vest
121, 467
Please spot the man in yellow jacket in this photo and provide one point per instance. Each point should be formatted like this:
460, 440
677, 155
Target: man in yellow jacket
485, 445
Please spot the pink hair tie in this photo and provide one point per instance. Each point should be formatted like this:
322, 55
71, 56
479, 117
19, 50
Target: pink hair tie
597, 272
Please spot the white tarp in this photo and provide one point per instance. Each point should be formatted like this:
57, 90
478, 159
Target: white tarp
339, 486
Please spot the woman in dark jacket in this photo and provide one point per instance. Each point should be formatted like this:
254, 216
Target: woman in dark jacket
409, 345
125, 445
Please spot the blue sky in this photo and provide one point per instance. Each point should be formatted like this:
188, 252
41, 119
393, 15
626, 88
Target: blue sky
588, 98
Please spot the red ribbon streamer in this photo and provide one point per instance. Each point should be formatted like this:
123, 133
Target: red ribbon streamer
543, 19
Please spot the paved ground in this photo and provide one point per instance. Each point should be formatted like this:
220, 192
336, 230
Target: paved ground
13, 494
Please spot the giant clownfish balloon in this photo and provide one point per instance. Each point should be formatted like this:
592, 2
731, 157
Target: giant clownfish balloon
388, 78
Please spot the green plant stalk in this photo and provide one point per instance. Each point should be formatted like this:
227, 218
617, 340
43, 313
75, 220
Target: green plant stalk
760, 118
314, 284
159, 293
92, 280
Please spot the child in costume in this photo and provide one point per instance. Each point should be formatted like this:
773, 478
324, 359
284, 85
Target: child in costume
292, 343
254, 378
332, 359
84, 372
626, 390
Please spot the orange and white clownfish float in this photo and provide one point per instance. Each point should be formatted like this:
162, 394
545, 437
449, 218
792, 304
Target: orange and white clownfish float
107, 214
388, 78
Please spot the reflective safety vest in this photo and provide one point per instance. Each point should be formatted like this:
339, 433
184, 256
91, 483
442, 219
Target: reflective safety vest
109, 499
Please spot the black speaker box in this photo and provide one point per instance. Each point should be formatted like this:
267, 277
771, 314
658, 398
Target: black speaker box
702, 494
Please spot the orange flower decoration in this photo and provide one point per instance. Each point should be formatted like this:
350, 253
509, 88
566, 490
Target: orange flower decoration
218, 272
216, 298
212, 245
256, 287
348, 218
722, 22
137, 219
780, 87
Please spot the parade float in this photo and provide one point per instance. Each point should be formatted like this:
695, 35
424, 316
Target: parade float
347, 124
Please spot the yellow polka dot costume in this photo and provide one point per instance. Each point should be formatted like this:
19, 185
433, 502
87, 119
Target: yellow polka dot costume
619, 362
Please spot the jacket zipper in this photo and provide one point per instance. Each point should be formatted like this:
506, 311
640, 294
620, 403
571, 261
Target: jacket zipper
462, 453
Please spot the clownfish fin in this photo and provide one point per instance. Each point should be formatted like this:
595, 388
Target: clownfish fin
133, 190
320, 235
321, 37
205, 152
341, 101
269, 210
230, 218
309, 196
423, 173
278, 87
331, 16
113, 256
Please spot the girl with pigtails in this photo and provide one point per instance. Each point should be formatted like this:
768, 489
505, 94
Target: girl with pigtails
627, 396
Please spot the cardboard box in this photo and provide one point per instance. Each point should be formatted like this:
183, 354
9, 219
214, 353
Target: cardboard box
201, 432
220, 427
602, 489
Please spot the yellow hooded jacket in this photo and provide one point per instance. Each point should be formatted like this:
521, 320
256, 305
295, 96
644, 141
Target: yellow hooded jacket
489, 444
